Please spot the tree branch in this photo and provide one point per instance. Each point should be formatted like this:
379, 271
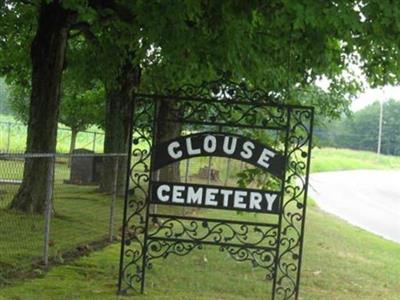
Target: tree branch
27, 2
121, 11
84, 29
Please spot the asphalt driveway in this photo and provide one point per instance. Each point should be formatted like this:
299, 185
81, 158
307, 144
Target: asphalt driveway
369, 199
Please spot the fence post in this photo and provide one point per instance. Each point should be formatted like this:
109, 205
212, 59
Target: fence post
113, 200
94, 142
8, 136
186, 180
209, 170
228, 169
48, 208
187, 171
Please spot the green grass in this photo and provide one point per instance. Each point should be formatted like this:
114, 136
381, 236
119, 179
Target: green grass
340, 262
323, 160
329, 159
81, 216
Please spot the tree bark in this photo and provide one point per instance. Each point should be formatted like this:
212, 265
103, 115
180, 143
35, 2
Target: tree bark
119, 101
74, 135
47, 57
167, 130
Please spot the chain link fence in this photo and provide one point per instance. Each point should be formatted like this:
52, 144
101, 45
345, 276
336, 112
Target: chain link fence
13, 138
78, 216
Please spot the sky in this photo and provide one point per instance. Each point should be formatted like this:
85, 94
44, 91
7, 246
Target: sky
370, 95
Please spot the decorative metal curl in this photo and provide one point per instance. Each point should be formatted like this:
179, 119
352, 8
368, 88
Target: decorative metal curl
229, 112
134, 224
258, 257
292, 226
224, 88
163, 248
278, 248
217, 231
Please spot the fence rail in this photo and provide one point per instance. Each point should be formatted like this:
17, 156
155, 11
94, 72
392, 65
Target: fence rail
13, 138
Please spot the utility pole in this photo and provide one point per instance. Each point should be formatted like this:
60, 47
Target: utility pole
380, 123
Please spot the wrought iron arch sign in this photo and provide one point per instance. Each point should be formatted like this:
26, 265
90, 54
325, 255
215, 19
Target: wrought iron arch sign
218, 144
277, 246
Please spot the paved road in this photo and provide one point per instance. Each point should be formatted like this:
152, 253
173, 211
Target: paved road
368, 199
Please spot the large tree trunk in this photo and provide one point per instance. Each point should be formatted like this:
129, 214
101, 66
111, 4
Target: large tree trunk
119, 101
72, 145
167, 130
47, 56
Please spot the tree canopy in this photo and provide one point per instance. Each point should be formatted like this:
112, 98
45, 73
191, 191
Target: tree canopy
272, 44
282, 46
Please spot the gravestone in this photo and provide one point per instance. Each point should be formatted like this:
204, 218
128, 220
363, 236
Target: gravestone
85, 168
205, 172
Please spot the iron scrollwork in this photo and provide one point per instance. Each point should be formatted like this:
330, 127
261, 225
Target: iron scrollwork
276, 247
163, 248
230, 113
258, 258
135, 218
293, 214
217, 231
224, 88
180, 235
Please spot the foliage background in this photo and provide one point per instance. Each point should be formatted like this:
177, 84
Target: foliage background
360, 130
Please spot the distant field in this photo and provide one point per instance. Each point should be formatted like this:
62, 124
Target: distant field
330, 159
13, 137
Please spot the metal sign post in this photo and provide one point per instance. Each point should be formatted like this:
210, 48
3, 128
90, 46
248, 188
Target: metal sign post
277, 246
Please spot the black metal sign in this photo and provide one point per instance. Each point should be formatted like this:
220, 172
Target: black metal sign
220, 145
222, 120
211, 196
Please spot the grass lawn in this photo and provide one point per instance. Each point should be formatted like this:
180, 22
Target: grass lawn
340, 261
81, 217
330, 159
